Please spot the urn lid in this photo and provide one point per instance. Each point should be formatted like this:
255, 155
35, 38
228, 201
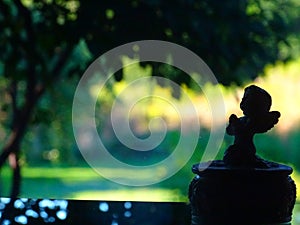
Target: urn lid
218, 168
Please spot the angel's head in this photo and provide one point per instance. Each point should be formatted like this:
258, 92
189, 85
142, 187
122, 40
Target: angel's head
256, 101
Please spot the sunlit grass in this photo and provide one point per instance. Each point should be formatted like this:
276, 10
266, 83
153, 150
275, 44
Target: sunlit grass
68, 174
85, 184
141, 194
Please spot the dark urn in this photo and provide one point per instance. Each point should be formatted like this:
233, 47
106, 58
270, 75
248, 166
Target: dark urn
244, 188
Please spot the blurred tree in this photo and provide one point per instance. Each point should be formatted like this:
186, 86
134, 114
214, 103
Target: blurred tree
36, 44
38, 40
236, 38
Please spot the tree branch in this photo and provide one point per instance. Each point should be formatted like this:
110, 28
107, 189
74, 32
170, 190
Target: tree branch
13, 94
16, 180
26, 16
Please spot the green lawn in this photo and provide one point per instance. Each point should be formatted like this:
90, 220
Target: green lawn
85, 183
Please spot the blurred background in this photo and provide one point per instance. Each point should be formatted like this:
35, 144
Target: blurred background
45, 47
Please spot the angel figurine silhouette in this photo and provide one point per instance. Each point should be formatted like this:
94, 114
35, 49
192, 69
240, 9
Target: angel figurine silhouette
258, 118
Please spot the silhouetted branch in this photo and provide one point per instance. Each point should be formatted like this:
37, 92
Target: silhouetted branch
16, 180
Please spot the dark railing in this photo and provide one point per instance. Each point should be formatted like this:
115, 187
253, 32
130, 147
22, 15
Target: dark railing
51, 211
